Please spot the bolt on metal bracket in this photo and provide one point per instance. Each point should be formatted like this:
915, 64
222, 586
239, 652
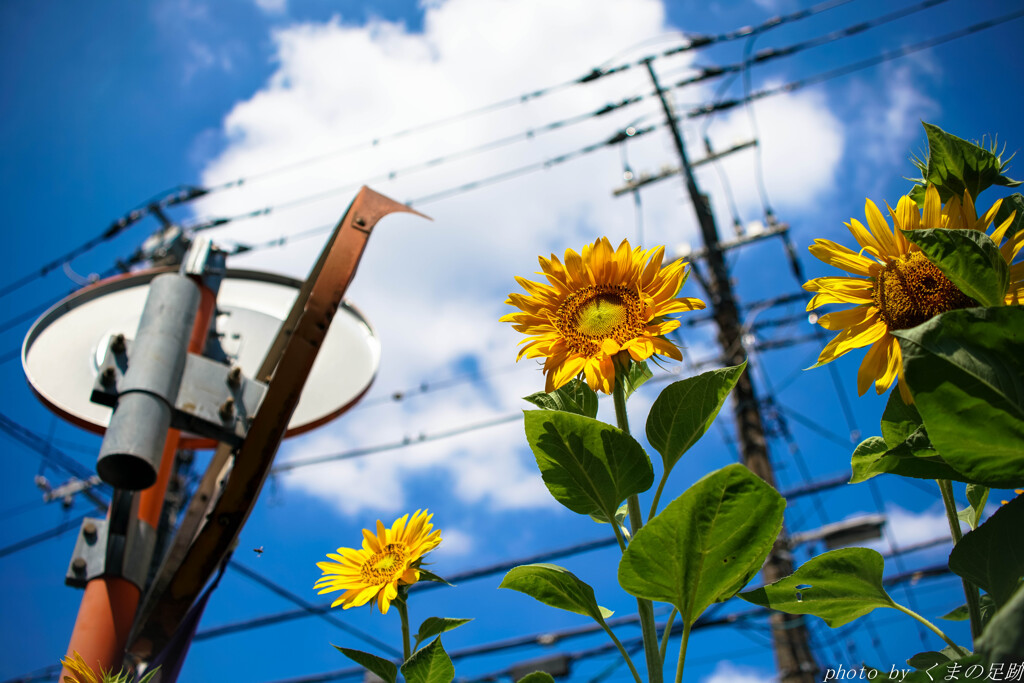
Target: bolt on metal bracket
95, 556
214, 400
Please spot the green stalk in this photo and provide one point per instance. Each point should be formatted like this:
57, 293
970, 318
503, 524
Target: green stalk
644, 607
618, 535
668, 630
935, 629
657, 496
682, 652
625, 655
970, 590
403, 611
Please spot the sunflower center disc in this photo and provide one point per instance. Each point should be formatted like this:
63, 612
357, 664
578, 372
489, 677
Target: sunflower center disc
382, 566
912, 290
598, 312
601, 315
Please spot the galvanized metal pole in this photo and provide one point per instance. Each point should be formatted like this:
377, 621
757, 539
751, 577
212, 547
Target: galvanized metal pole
175, 320
793, 654
133, 444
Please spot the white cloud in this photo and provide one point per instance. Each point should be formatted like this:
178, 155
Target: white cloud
272, 6
888, 121
434, 291
801, 145
727, 672
455, 543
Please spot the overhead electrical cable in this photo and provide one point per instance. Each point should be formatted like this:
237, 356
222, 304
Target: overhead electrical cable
311, 608
847, 69
113, 230
188, 193
501, 567
545, 639
693, 42
706, 73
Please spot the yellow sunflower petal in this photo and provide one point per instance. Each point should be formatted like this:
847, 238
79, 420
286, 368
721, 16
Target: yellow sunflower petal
841, 320
863, 334
600, 302
841, 257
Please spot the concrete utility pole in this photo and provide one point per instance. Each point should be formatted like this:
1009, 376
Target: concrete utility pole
793, 654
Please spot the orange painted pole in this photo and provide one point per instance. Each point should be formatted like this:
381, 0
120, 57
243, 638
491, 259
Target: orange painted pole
107, 610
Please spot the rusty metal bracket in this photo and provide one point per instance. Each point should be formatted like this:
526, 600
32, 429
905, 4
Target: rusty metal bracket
212, 523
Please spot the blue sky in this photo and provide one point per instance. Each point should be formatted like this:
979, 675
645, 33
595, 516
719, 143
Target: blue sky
107, 106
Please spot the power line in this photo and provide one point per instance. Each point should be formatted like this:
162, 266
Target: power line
113, 230
56, 531
706, 73
50, 454
880, 58
547, 638
693, 42
526, 135
490, 570
310, 608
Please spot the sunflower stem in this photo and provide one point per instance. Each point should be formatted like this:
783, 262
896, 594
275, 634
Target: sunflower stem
935, 629
970, 590
625, 655
682, 652
668, 631
644, 607
657, 496
618, 535
403, 611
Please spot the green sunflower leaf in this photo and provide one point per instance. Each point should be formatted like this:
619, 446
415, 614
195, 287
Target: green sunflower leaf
1013, 204
969, 258
988, 558
383, 668
685, 410
954, 164
961, 613
537, 677
435, 626
588, 466
430, 664
913, 457
620, 518
572, 397
977, 496
838, 586
1003, 637
706, 544
431, 576
965, 369
899, 420
556, 587
635, 377
923, 660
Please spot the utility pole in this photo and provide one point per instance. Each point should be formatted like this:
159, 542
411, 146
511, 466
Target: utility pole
793, 656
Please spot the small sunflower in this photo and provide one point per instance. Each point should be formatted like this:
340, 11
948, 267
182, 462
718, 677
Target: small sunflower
82, 672
897, 286
596, 305
387, 559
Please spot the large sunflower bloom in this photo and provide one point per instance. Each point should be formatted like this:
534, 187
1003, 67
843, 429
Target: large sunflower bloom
894, 285
596, 305
388, 558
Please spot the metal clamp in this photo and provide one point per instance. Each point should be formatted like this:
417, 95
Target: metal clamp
112, 547
214, 400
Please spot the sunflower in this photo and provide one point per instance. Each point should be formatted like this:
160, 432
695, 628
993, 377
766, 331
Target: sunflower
895, 286
388, 558
597, 305
82, 672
